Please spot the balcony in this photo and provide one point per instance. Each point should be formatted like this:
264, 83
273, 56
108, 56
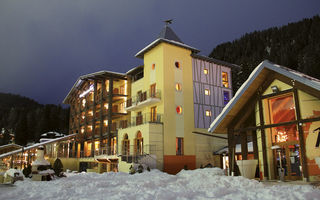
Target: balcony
144, 99
140, 119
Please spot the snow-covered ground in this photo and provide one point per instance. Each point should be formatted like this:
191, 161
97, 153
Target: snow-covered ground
207, 183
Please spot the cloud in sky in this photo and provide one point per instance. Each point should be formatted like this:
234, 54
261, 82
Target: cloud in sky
45, 45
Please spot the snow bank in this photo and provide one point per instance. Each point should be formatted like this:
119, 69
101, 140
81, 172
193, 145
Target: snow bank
11, 172
209, 183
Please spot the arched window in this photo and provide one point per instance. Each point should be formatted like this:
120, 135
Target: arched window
139, 144
125, 145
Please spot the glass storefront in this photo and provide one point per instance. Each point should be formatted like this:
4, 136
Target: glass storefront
285, 139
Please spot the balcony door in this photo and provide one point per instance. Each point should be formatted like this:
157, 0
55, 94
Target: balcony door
153, 114
153, 90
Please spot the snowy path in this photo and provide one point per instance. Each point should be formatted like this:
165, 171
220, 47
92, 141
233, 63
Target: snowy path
196, 184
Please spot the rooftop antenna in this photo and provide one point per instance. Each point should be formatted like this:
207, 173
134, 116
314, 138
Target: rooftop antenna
169, 21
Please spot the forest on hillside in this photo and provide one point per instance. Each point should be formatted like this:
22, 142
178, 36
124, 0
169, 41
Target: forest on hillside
27, 120
296, 46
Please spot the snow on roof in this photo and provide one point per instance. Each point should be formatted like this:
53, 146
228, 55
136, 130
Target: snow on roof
159, 40
292, 74
91, 75
36, 145
52, 133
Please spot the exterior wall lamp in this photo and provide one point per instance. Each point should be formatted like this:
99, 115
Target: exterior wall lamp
274, 89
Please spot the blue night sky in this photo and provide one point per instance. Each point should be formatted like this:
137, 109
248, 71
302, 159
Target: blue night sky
45, 45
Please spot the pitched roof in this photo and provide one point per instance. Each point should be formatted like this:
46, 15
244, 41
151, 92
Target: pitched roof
168, 36
216, 61
256, 78
167, 33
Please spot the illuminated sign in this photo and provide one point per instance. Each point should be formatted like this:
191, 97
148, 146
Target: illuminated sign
86, 92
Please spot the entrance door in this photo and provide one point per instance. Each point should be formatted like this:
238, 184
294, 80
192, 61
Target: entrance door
287, 157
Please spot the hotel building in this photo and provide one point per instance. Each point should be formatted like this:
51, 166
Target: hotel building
156, 114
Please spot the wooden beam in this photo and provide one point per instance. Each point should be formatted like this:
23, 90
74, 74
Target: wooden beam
253, 128
301, 137
110, 96
231, 149
276, 93
103, 88
94, 116
244, 145
209, 135
263, 139
255, 145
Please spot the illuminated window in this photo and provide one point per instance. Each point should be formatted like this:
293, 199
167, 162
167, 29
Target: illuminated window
106, 106
96, 145
178, 87
225, 82
153, 66
84, 102
179, 109
121, 107
179, 146
177, 64
207, 92
282, 109
105, 122
90, 113
205, 71
82, 130
122, 89
208, 113
90, 128
226, 97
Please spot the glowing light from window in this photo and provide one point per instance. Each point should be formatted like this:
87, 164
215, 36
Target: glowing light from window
90, 113
105, 122
207, 92
208, 113
82, 130
84, 102
178, 87
205, 71
86, 92
179, 109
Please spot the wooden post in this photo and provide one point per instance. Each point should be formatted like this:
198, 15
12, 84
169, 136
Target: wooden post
94, 116
103, 88
301, 136
231, 150
263, 139
244, 145
255, 145
110, 97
